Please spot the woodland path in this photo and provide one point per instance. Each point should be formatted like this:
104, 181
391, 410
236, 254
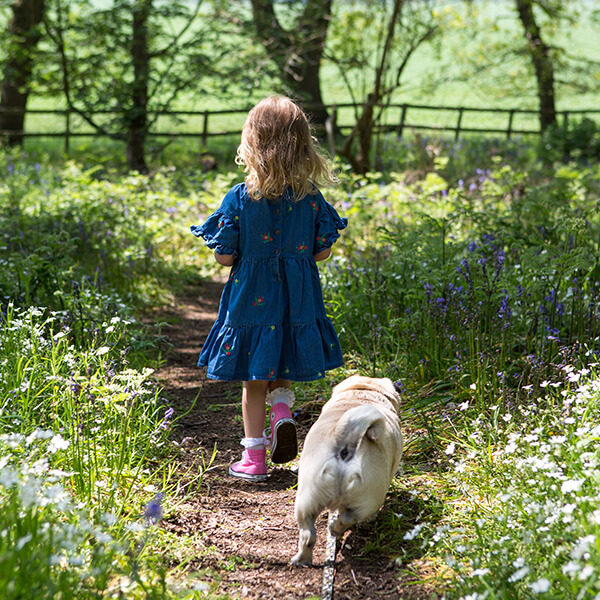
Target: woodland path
244, 533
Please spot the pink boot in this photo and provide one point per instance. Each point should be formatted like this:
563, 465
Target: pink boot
253, 465
284, 441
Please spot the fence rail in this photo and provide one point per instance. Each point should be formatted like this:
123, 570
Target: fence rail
72, 129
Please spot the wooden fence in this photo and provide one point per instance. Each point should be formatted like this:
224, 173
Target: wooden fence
398, 118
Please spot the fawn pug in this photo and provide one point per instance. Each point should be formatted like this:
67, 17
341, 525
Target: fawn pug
350, 456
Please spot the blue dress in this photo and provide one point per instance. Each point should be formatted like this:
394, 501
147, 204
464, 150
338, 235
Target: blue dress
272, 322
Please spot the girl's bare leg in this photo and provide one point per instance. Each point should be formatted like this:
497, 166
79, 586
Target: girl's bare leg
284, 383
253, 407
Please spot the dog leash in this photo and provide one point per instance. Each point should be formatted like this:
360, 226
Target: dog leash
330, 553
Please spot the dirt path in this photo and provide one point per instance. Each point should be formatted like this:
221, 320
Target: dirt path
246, 532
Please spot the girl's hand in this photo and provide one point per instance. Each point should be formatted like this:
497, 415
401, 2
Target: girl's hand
224, 259
322, 255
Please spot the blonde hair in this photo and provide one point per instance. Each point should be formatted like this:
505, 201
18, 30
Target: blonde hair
277, 150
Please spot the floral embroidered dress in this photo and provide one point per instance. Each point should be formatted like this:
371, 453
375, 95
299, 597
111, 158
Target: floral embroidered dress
272, 322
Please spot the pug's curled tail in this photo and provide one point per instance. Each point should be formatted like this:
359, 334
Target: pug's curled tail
358, 423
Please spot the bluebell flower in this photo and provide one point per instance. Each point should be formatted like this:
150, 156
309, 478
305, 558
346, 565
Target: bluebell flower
166, 422
153, 512
504, 312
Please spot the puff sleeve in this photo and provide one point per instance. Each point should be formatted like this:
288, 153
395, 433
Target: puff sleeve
328, 226
221, 230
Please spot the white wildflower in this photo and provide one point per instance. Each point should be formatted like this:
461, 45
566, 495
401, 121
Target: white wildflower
582, 547
21, 542
28, 492
414, 532
540, 586
8, 477
558, 439
518, 574
450, 448
571, 485
57, 443
570, 568
585, 572
109, 518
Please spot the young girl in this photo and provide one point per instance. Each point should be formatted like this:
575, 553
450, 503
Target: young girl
272, 230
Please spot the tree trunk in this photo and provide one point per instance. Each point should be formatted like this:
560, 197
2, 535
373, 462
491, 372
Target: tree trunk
137, 119
24, 33
297, 52
363, 130
542, 63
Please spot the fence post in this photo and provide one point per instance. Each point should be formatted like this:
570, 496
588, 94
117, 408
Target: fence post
511, 114
67, 130
205, 128
330, 127
402, 120
566, 120
458, 123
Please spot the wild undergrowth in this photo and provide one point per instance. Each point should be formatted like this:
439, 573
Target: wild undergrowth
472, 281
88, 462
482, 299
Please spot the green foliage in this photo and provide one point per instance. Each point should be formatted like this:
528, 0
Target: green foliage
529, 514
89, 57
51, 546
488, 283
578, 140
73, 229
473, 277
81, 250
478, 288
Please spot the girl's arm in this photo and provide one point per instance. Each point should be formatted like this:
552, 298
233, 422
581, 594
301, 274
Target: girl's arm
322, 255
224, 259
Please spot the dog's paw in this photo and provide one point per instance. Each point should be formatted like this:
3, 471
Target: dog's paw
337, 527
301, 560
